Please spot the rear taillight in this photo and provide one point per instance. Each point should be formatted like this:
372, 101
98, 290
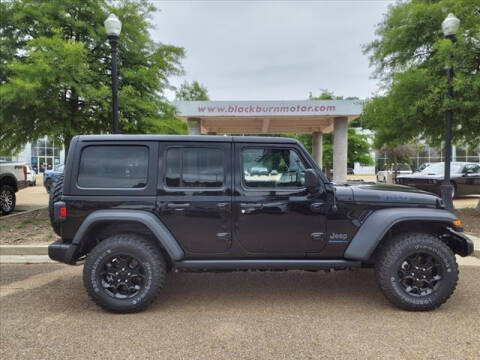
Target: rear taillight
25, 172
63, 212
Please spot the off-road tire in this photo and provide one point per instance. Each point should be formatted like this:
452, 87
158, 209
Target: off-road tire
48, 185
389, 258
147, 254
56, 191
10, 192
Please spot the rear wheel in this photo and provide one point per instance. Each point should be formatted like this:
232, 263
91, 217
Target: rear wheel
416, 271
7, 199
124, 273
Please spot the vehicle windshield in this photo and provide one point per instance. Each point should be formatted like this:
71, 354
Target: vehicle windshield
59, 168
437, 168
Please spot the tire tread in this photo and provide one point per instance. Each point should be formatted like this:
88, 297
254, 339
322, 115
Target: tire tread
158, 280
390, 251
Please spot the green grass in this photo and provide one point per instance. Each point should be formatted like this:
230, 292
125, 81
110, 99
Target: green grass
30, 221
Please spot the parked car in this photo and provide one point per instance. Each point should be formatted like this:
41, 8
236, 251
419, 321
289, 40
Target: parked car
31, 176
258, 171
465, 178
401, 169
133, 219
50, 176
350, 171
13, 178
423, 166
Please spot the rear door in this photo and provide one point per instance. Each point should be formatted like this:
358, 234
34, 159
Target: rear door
194, 195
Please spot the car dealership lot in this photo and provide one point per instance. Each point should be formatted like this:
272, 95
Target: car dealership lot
45, 313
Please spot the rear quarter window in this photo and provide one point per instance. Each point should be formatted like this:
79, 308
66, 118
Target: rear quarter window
114, 167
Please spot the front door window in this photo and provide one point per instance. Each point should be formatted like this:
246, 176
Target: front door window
272, 168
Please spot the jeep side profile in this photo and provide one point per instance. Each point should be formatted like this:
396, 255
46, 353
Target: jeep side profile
135, 207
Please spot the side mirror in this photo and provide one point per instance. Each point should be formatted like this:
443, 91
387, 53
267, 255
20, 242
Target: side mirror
312, 183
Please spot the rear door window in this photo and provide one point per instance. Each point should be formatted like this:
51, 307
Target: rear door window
114, 167
194, 168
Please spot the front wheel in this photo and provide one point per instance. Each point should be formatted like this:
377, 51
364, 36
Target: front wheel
124, 273
416, 271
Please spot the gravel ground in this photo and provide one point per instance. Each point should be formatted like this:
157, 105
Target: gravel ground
45, 313
29, 228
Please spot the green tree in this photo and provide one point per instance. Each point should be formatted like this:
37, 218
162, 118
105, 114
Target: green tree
55, 71
358, 146
192, 92
410, 56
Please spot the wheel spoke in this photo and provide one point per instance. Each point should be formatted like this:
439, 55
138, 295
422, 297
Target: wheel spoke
420, 273
122, 276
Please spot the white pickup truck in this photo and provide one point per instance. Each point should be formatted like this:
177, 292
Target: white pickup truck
13, 177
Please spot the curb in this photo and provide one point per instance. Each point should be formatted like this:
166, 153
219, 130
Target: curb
26, 259
9, 250
22, 213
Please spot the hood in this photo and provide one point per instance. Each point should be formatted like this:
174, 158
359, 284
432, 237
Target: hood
386, 193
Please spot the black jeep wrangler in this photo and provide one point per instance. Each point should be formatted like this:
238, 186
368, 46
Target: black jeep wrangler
138, 206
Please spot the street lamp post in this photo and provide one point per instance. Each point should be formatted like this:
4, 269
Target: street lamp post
449, 27
113, 26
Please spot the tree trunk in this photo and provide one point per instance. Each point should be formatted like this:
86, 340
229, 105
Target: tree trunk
478, 207
66, 144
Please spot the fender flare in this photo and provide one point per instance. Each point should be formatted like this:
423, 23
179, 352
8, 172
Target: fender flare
162, 234
379, 222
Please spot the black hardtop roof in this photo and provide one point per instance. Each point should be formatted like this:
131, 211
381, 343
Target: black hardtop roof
190, 138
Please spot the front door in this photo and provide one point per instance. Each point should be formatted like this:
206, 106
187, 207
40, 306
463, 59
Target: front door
469, 183
274, 214
194, 195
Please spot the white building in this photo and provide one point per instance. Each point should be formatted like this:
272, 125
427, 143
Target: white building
42, 155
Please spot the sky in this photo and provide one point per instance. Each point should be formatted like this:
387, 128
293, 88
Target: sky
272, 50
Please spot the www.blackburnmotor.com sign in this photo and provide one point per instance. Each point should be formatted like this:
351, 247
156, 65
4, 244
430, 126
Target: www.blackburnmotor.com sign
269, 108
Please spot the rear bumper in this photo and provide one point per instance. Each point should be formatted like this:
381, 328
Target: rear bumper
62, 252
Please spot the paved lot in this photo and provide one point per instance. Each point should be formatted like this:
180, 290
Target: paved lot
33, 197
45, 313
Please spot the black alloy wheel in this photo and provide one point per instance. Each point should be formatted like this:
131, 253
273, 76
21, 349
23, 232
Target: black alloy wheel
7, 200
416, 271
124, 273
121, 276
420, 274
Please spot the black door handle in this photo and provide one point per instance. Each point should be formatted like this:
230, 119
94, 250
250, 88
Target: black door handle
223, 236
223, 206
178, 205
250, 208
316, 207
317, 236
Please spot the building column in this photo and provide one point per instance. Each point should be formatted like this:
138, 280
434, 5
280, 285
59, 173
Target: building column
317, 148
340, 149
193, 126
